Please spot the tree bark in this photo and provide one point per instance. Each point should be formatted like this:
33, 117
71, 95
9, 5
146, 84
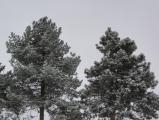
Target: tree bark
42, 96
112, 117
42, 113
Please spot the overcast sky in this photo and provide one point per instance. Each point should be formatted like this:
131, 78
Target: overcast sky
83, 22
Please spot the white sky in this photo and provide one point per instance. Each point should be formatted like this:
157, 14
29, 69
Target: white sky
83, 22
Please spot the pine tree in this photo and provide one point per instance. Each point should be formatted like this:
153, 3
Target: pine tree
44, 70
121, 84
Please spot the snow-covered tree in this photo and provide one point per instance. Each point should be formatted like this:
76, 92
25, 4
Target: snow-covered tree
43, 68
121, 83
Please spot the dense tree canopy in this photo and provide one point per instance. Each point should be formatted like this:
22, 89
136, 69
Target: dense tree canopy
121, 83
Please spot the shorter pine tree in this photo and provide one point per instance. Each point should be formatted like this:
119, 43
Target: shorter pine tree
121, 83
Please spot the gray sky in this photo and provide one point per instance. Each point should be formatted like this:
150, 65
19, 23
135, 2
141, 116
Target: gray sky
83, 22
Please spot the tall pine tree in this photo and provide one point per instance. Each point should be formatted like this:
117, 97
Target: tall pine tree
44, 70
121, 83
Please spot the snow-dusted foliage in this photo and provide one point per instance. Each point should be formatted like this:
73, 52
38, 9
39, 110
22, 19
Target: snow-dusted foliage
3, 87
71, 110
120, 83
43, 68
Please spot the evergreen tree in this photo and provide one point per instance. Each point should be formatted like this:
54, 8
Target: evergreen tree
121, 83
44, 70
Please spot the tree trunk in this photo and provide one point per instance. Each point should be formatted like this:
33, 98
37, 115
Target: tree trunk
42, 96
112, 117
42, 113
